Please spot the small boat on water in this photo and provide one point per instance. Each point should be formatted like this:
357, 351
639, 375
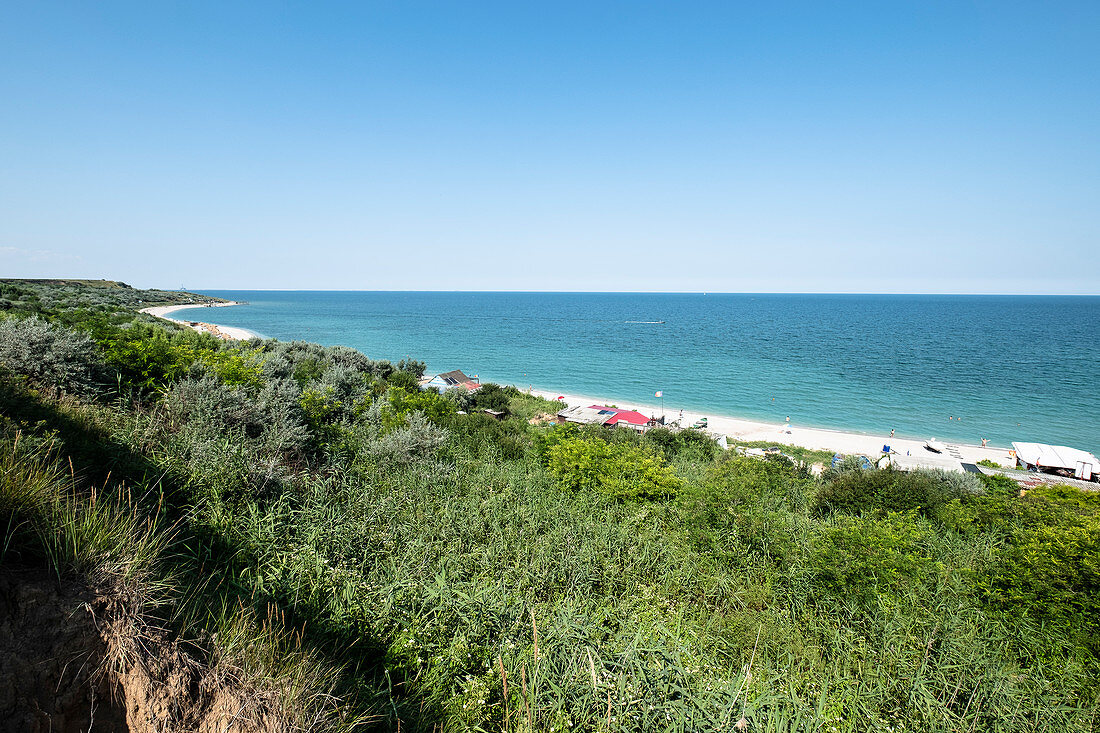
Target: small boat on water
934, 445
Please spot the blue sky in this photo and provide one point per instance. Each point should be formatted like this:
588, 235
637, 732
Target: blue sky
789, 147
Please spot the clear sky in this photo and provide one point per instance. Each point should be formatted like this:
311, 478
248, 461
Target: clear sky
878, 146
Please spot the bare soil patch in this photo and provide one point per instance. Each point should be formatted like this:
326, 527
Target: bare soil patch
74, 658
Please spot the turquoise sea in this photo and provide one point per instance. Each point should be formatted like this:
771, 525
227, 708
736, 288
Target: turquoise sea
955, 367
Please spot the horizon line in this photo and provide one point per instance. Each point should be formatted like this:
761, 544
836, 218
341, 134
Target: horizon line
636, 292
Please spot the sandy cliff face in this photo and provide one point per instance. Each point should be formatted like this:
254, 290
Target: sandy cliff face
73, 658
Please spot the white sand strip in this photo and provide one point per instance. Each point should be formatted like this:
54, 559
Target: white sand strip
228, 333
907, 453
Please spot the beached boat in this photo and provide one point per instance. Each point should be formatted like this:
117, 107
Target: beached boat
934, 445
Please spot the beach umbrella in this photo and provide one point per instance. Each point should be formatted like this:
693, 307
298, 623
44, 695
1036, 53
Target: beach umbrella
561, 397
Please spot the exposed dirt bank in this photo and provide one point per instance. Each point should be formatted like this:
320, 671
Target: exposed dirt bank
75, 659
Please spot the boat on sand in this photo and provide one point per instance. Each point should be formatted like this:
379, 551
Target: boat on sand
934, 445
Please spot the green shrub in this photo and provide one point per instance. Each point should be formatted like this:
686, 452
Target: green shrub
997, 485
622, 471
51, 355
307, 370
888, 490
321, 410
419, 438
549, 437
494, 397
150, 357
1051, 567
403, 380
748, 511
692, 445
847, 465
859, 557
414, 367
236, 367
484, 435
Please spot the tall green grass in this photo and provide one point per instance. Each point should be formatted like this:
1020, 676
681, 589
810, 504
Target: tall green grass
105, 538
459, 585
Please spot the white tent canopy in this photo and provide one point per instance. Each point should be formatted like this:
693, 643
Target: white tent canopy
1055, 456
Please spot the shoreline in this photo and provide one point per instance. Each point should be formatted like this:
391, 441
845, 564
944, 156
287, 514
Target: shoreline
226, 333
907, 452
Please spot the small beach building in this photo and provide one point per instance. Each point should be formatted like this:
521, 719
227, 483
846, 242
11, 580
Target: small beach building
1056, 459
627, 418
452, 380
602, 415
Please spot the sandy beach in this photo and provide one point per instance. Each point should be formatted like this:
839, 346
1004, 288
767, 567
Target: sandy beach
228, 333
907, 452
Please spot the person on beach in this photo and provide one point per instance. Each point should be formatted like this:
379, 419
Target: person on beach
891, 432
984, 441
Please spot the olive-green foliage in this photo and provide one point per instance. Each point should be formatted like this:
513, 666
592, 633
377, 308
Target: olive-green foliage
404, 380
804, 455
429, 551
749, 511
481, 434
620, 470
494, 397
529, 407
843, 467
321, 409
431, 404
151, 357
49, 297
863, 558
412, 366
1051, 568
692, 445
884, 491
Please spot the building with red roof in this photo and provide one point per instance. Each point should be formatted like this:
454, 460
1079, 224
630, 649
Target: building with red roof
627, 418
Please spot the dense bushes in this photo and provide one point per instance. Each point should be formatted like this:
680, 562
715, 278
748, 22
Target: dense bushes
432, 551
620, 470
693, 445
51, 355
862, 559
890, 490
749, 511
150, 357
1051, 568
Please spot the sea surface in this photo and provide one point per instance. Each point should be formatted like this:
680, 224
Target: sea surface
960, 368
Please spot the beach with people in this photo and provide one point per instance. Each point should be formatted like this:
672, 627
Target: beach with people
904, 452
906, 447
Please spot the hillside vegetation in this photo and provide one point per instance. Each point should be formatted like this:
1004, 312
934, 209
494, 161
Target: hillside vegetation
327, 547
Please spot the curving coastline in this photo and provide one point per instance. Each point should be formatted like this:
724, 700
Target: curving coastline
227, 333
907, 452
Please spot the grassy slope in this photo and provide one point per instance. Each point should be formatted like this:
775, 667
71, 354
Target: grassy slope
437, 577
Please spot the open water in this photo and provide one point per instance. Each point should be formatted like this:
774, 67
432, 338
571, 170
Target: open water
958, 368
